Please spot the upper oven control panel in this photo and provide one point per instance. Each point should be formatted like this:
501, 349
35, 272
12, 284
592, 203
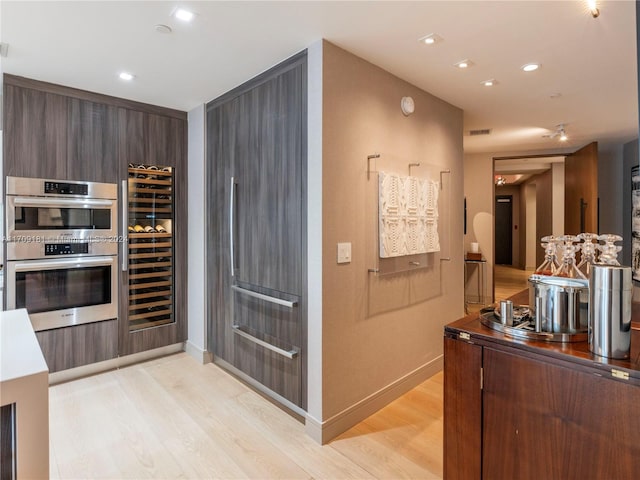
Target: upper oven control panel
65, 248
62, 188
48, 187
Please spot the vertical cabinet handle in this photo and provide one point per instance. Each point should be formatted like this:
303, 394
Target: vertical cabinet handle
232, 197
125, 224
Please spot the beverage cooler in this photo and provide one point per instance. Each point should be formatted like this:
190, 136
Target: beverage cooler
149, 262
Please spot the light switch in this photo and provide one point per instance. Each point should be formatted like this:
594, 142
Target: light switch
344, 252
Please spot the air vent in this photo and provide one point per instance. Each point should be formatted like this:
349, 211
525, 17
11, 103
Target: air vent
483, 131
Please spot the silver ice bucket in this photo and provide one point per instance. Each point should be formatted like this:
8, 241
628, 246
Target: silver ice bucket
559, 304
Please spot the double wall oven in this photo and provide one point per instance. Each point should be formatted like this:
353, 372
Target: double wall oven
62, 245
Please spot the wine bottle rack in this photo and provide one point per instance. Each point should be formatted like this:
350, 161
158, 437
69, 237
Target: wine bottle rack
150, 262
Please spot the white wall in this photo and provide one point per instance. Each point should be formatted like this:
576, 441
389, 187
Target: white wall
479, 191
196, 330
314, 237
380, 335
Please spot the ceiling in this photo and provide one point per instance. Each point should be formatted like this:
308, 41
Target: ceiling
590, 62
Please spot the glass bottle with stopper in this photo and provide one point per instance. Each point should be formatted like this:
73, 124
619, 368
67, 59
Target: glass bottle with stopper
550, 264
587, 252
568, 267
609, 250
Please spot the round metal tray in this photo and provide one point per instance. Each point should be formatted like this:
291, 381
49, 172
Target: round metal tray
525, 329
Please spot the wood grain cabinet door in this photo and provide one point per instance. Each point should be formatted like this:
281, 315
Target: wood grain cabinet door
153, 139
544, 421
35, 133
92, 147
462, 410
256, 155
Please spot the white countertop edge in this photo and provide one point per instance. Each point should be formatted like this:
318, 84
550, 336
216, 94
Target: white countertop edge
20, 353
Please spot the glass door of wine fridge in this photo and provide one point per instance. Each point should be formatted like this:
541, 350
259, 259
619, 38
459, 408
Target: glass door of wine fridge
151, 246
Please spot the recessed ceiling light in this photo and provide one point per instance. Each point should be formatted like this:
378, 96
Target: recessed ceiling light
184, 15
126, 76
490, 83
464, 64
431, 39
531, 67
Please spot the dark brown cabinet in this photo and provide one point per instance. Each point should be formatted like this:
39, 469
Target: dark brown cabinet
462, 409
57, 132
35, 132
71, 347
522, 411
92, 146
55, 136
256, 157
153, 164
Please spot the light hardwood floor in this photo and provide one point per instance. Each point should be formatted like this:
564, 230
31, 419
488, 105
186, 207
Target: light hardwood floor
509, 281
175, 418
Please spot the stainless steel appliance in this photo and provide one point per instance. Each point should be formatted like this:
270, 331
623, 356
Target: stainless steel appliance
610, 290
62, 248
559, 304
39, 212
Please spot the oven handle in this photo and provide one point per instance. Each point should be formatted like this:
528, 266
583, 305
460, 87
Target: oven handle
31, 265
61, 203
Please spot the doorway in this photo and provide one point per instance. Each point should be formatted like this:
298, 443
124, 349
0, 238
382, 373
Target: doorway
503, 224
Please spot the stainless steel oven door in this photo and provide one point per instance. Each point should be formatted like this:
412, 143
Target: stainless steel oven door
38, 219
64, 292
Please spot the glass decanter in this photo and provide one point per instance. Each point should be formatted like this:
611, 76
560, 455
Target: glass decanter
550, 264
587, 252
609, 251
568, 267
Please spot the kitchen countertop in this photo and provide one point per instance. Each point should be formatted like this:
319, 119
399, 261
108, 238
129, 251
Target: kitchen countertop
24, 381
20, 354
577, 353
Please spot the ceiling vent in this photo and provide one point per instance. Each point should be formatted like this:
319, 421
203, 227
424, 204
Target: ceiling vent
482, 131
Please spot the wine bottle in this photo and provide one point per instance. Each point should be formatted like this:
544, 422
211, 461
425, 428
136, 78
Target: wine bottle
139, 229
152, 177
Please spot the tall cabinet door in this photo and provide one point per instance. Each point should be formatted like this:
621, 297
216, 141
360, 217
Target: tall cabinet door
35, 124
257, 232
92, 141
153, 176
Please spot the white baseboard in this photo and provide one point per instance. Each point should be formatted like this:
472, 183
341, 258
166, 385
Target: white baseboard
324, 431
201, 356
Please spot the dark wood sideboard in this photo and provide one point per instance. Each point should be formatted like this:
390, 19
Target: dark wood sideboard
518, 409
